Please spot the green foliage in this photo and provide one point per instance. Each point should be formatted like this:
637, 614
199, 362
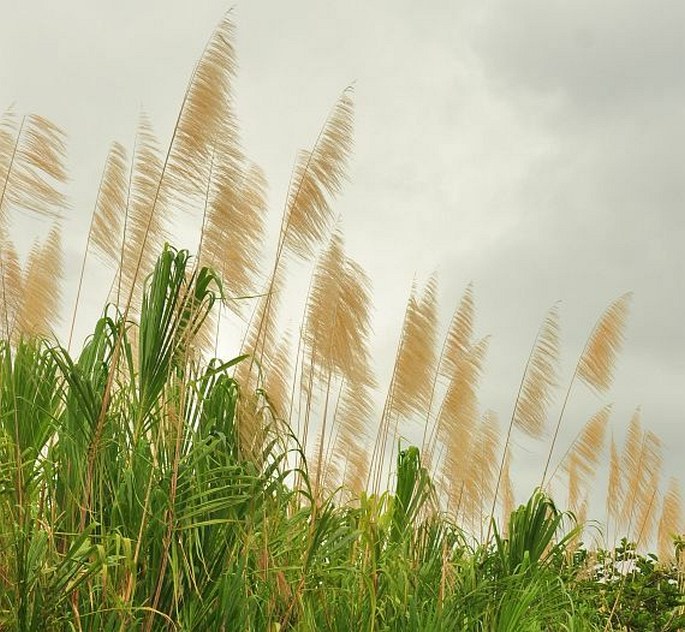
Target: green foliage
645, 591
531, 535
127, 503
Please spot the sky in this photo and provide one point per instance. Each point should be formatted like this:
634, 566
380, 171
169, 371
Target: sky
535, 149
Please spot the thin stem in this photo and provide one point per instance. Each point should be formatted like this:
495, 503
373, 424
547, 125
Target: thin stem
83, 262
319, 464
557, 427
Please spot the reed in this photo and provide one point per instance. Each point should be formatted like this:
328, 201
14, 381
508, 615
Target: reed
148, 483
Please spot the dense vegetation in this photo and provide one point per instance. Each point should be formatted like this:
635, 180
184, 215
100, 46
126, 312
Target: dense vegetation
130, 500
146, 483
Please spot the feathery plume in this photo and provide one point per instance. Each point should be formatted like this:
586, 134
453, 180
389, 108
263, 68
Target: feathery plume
206, 119
454, 347
458, 413
640, 464
251, 426
459, 335
323, 301
234, 230
614, 487
337, 326
645, 497
508, 499
8, 143
337, 322
631, 463
535, 392
596, 364
39, 309
539, 378
110, 207
416, 355
411, 383
105, 232
32, 170
670, 522
144, 224
619, 492
587, 448
479, 483
316, 465
574, 483
581, 518
318, 176
277, 378
12, 285
354, 420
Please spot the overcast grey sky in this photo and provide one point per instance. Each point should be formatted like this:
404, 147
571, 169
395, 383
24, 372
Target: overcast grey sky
535, 148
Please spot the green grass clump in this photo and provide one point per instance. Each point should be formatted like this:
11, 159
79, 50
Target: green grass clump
131, 499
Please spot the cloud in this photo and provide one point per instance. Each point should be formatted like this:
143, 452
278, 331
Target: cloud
602, 57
